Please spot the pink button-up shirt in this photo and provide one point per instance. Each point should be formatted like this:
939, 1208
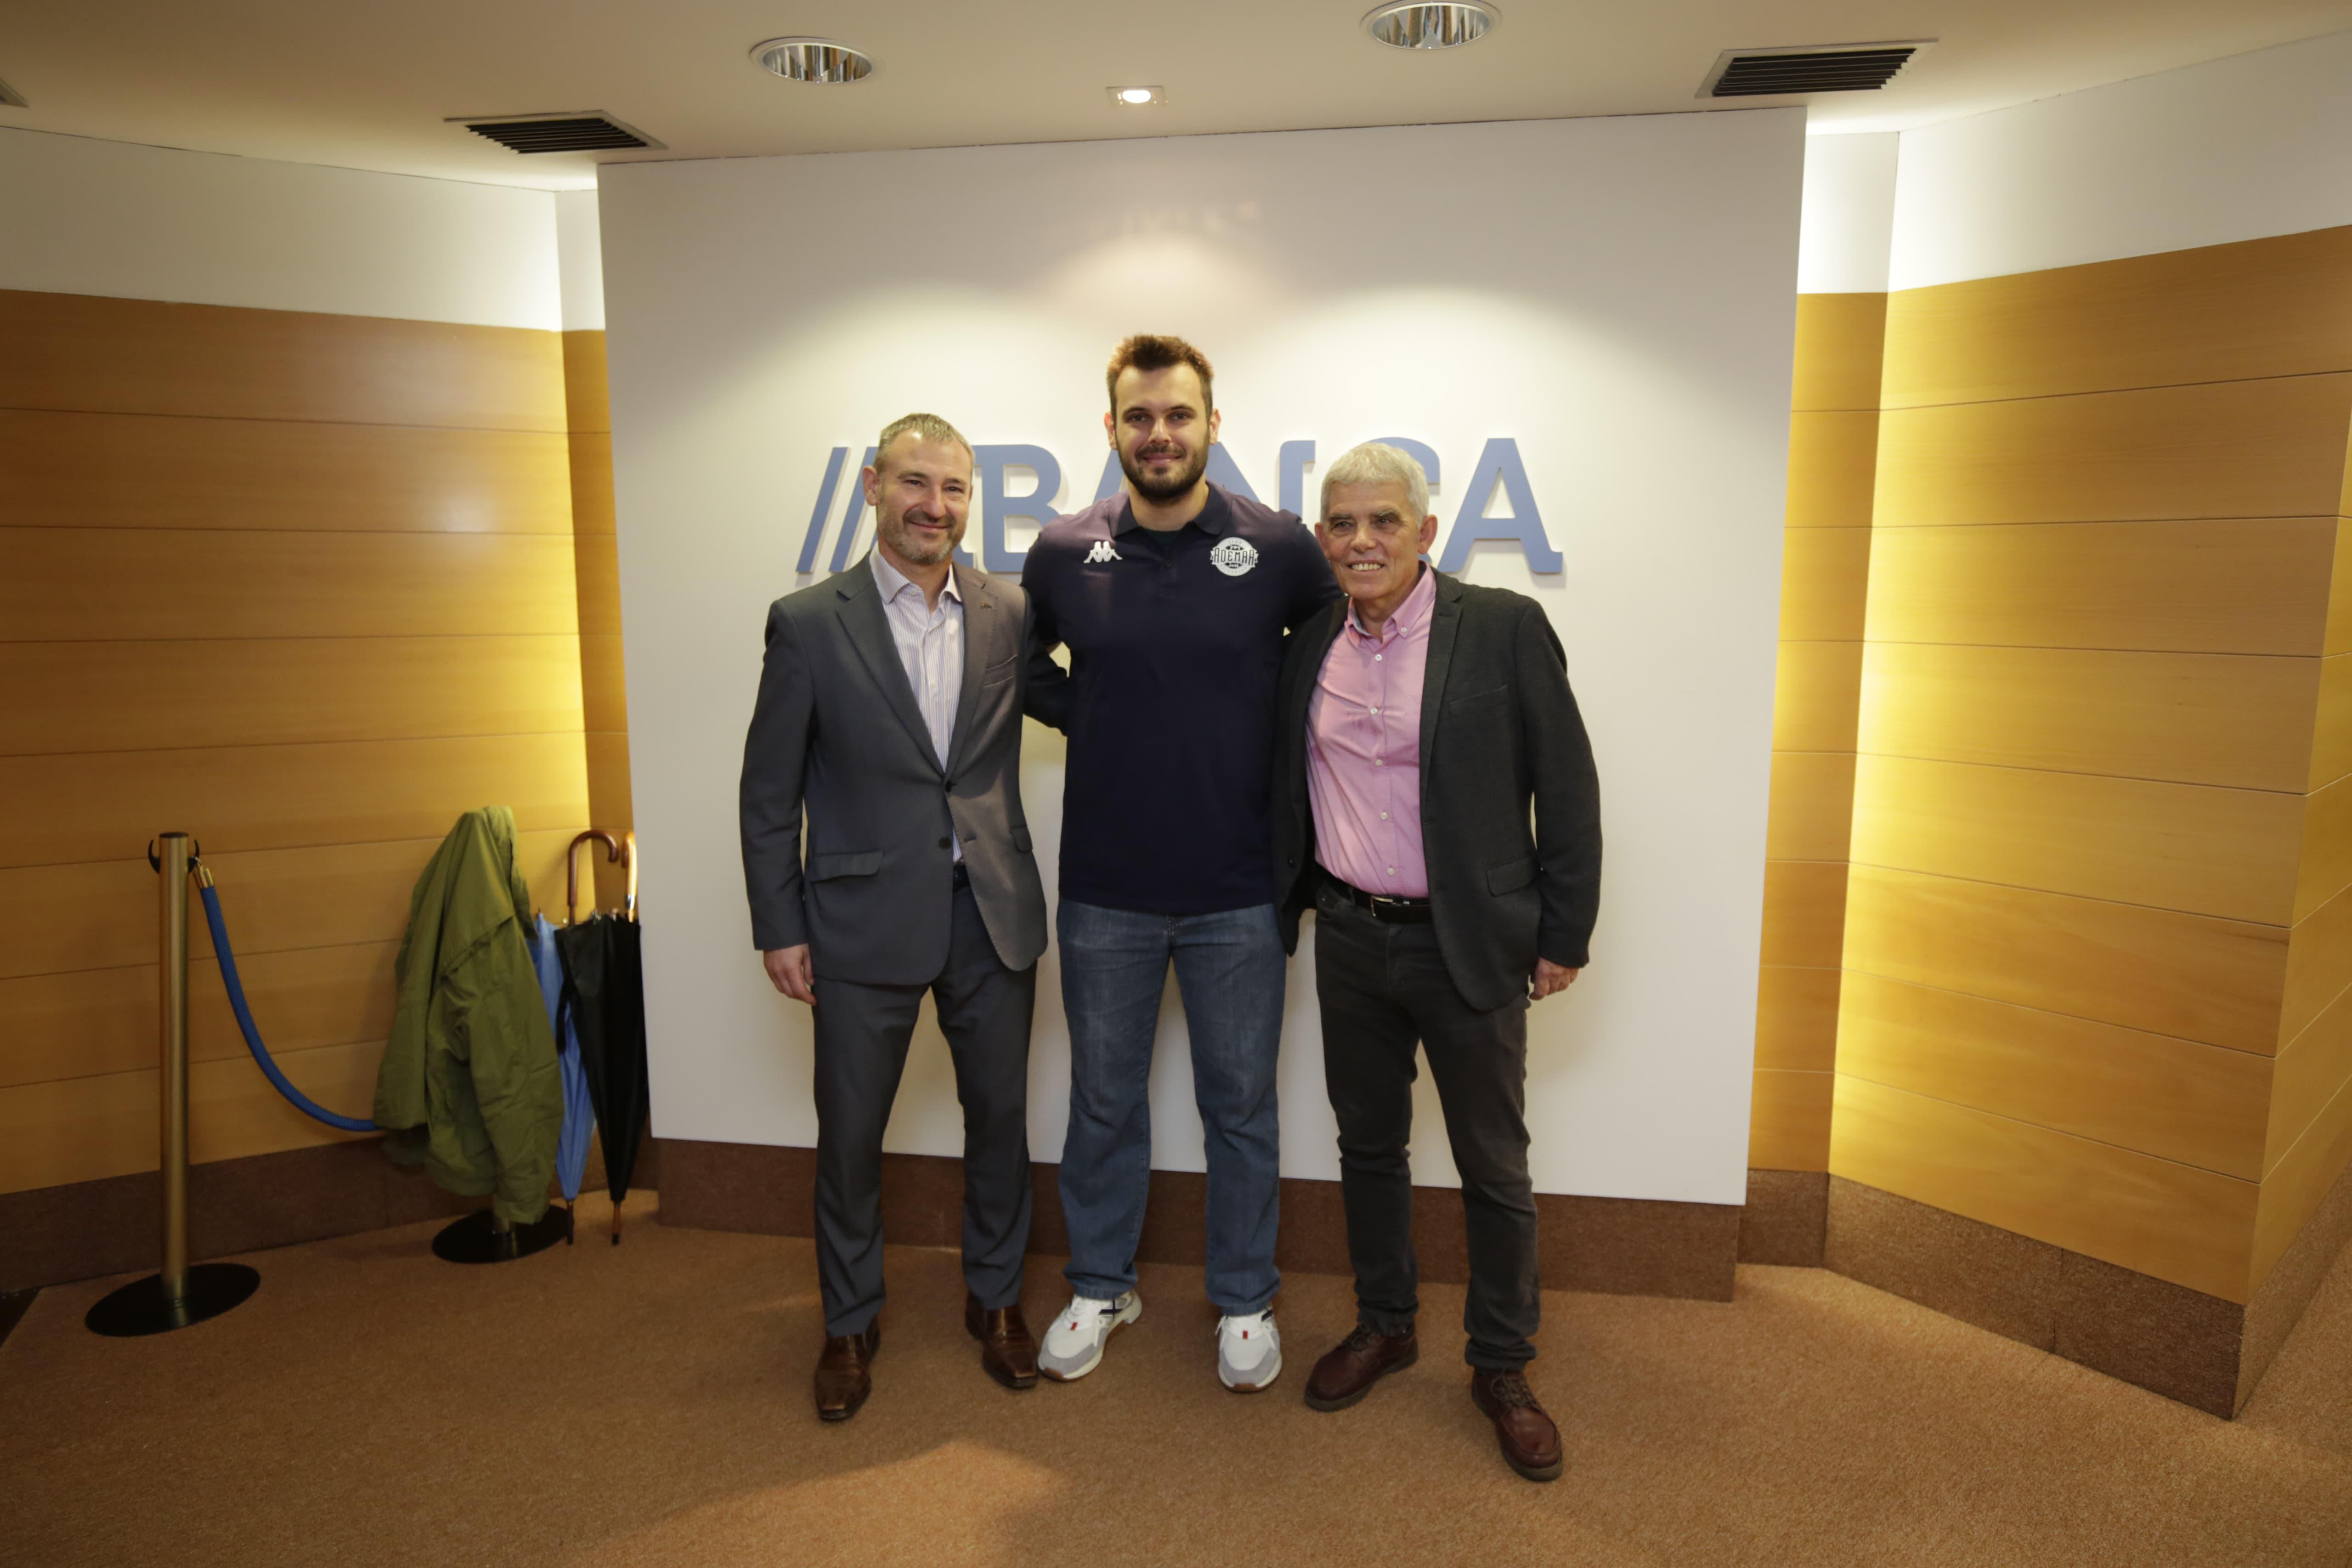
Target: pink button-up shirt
1363, 750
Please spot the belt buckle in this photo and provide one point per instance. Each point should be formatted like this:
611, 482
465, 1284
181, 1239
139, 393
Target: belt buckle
1381, 902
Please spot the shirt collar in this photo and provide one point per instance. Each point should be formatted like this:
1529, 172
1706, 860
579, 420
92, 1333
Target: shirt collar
892, 582
1216, 518
1407, 615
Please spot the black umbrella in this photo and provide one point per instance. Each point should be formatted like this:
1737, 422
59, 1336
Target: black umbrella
605, 996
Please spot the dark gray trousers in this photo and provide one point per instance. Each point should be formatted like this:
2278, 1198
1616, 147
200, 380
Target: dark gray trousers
1383, 989
862, 1034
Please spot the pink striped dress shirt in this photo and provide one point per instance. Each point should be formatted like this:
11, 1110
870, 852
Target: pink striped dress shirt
1363, 750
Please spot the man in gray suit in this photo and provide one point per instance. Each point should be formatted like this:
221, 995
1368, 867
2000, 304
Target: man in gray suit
889, 710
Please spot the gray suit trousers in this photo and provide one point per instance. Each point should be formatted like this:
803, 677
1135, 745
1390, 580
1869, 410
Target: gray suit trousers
862, 1034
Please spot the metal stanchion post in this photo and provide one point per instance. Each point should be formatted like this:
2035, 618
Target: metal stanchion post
181, 1293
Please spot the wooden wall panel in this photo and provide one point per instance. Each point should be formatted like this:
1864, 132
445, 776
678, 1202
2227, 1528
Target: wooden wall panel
2319, 964
2232, 721
1824, 577
1833, 463
101, 914
1841, 339
2232, 585
2190, 1226
2300, 1179
140, 696
87, 1128
602, 681
85, 584
2312, 1070
2227, 852
592, 484
128, 470
1816, 696
1797, 1019
604, 688
1804, 913
2326, 867
2339, 577
598, 585
1789, 1120
2331, 737
143, 356
2195, 976
587, 381
1812, 805
2199, 1105
2230, 449
93, 806
2271, 307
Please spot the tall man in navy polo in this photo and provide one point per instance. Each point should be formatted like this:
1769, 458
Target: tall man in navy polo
1174, 596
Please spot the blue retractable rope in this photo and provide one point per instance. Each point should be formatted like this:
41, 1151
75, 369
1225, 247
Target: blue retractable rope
294, 1097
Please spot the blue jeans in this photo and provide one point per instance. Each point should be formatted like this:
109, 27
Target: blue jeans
1230, 969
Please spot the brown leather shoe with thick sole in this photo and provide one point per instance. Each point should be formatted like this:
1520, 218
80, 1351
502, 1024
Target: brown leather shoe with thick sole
845, 1372
1348, 1370
1529, 1440
1008, 1353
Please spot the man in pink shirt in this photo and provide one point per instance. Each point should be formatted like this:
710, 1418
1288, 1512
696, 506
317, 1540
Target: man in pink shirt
1436, 802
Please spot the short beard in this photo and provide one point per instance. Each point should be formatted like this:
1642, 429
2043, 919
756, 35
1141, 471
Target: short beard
1160, 492
893, 533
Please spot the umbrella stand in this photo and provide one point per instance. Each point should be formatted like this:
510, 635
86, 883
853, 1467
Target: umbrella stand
181, 1293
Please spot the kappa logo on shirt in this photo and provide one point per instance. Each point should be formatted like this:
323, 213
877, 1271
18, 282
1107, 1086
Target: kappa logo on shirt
1101, 552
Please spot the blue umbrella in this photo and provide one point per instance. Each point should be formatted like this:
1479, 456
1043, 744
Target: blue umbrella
579, 1116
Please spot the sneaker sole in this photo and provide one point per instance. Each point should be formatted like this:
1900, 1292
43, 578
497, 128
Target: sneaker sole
1361, 1394
1252, 1387
1134, 1311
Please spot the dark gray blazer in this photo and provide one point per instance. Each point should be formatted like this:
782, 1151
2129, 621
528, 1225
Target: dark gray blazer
1499, 735
836, 730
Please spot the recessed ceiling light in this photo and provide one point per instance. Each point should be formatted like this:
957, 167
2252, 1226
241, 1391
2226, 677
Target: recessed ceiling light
812, 60
1431, 23
1136, 97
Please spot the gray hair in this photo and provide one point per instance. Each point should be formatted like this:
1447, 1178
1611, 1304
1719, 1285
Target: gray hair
923, 426
1374, 463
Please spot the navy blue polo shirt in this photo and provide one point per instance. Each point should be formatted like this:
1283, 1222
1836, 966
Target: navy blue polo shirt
1175, 643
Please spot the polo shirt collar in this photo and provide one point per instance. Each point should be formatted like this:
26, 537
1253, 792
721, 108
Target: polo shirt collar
1216, 518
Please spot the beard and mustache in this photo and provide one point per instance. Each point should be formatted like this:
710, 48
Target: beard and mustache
921, 553
1160, 492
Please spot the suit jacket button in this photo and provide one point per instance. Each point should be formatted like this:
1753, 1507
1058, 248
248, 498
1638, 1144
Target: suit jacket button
943, 843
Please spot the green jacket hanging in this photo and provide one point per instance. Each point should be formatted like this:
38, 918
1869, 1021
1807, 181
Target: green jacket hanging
469, 1087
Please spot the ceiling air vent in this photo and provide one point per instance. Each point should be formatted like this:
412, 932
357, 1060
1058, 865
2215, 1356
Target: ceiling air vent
1815, 67
584, 130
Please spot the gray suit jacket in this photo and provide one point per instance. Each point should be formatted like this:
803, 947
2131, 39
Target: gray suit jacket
1510, 807
837, 731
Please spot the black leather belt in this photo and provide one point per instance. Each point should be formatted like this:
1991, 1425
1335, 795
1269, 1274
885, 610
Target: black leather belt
1382, 907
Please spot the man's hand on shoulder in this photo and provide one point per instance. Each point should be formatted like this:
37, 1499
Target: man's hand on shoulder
1549, 977
789, 972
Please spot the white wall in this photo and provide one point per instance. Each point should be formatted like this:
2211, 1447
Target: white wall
580, 260
2235, 149
1614, 295
1849, 214
84, 216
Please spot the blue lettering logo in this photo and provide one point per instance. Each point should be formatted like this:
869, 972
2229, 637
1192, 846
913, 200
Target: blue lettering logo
1018, 479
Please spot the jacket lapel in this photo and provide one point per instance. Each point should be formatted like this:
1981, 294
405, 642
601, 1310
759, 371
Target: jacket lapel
1444, 620
862, 617
982, 611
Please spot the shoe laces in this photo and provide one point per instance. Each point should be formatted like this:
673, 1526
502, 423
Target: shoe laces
1510, 1389
1244, 1322
1083, 1306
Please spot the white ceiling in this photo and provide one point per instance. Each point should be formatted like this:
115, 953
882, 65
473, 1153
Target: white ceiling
369, 87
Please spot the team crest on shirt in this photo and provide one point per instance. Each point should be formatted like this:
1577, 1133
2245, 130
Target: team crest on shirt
1234, 556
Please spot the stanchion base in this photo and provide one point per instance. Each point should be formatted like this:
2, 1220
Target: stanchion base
471, 1239
141, 1308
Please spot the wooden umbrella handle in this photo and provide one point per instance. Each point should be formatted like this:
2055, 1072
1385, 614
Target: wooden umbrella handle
571, 870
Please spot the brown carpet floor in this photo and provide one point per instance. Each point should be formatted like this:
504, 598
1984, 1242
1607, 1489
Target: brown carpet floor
648, 1405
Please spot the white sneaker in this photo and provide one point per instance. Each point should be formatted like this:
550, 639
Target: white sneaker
1073, 1347
1249, 1351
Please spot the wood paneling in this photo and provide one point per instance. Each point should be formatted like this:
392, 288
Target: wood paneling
2339, 578
2331, 738
2319, 964
2269, 307
127, 470
142, 695
598, 565
586, 382
2191, 1226
101, 914
2230, 449
145, 356
104, 1020
1789, 1120
1796, 1019
592, 484
2325, 867
2227, 852
2312, 1069
95, 806
1833, 463
85, 1129
1812, 805
105, 585
602, 686
2299, 1181
1816, 694
1840, 340
2238, 586
1804, 912
1824, 576
2200, 1105
2232, 720
2194, 976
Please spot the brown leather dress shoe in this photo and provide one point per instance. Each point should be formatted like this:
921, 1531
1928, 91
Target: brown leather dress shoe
1348, 1370
1531, 1442
845, 1372
1007, 1350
